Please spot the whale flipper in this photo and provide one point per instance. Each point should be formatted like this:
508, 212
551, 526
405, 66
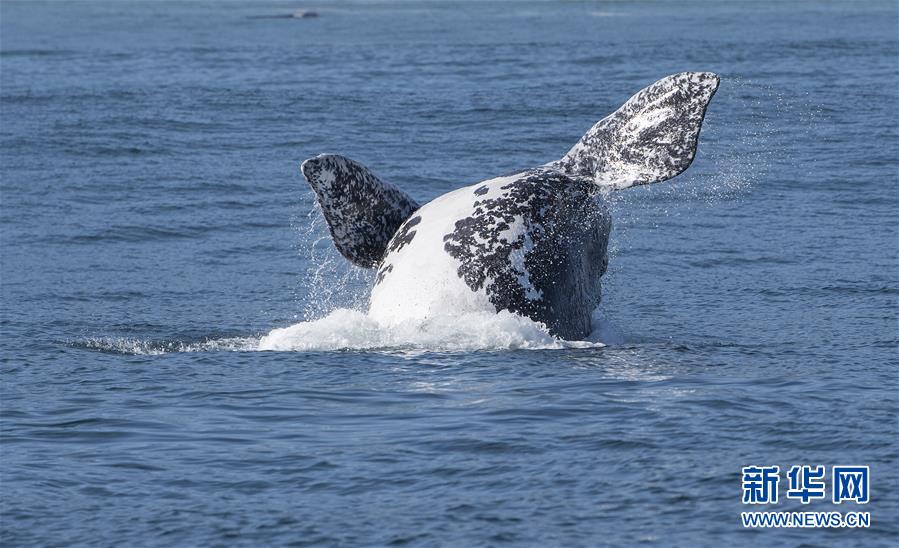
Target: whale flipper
362, 211
651, 138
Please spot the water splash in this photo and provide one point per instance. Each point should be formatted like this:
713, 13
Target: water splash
346, 329
331, 282
149, 347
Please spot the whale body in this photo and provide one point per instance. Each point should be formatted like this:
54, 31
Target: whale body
535, 242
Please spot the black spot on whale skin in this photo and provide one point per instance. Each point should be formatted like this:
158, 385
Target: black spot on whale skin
562, 228
401, 239
404, 235
383, 272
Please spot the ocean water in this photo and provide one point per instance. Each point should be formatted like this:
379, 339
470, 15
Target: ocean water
157, 236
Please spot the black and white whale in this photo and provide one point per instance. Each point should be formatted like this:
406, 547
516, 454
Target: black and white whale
534, 242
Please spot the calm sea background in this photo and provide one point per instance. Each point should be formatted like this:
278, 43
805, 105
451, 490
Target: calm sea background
155, 225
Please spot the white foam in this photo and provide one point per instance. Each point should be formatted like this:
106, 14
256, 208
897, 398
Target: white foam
350, 329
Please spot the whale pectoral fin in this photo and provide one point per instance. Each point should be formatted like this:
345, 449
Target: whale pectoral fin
362, 211
651, 138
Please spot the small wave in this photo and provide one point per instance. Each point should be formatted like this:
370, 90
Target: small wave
135, 233
33, 52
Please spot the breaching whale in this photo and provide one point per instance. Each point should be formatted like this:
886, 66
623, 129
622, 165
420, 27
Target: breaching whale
533, 242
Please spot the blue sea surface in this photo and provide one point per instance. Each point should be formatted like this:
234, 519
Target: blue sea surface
155, 226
